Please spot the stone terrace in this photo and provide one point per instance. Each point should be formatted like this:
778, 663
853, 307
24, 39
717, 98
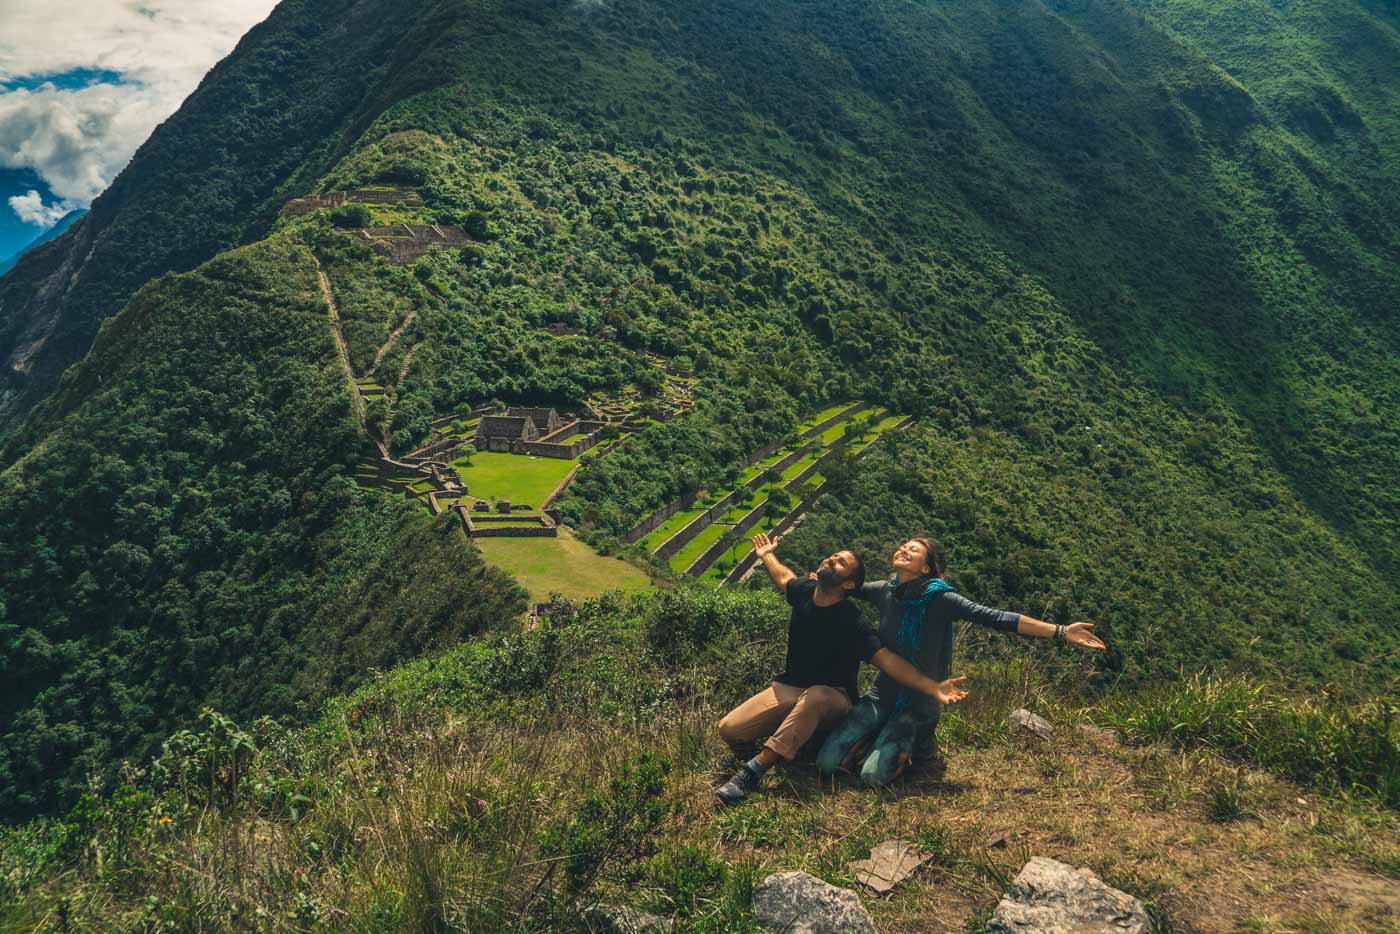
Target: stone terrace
404, 243
397, 196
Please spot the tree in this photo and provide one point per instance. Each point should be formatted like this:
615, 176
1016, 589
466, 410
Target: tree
351, 216
779, 501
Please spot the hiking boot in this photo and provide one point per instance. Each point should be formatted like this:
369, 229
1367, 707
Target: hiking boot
936, 767
738, 787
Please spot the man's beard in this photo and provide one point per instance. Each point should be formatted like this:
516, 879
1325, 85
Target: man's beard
827, 577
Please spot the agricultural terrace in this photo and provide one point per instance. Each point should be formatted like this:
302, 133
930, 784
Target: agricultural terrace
772, 489
563, 565
683, 518
741, 547
518, 478
461, 429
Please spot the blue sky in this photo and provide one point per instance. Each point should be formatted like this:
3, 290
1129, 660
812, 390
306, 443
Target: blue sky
69, 80
82, 85
15, 234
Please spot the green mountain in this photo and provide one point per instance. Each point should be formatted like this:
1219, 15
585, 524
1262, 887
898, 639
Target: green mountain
1133, 266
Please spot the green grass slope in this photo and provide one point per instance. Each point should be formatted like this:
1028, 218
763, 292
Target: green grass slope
513, 783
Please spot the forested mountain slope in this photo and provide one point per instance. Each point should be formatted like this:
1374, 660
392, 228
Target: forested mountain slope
266, 120
1134, 265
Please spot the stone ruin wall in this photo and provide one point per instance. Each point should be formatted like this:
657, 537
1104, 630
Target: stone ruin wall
490, 526
516, 531
546, 448
449, 447
544, 418
299, 207
405, 243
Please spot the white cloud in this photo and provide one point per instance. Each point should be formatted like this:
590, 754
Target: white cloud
32, 210
78, 139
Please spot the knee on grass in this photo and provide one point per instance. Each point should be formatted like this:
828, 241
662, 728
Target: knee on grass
879, 770
829, 759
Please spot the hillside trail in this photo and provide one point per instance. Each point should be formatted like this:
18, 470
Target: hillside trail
403, 367
393, 339
356, 400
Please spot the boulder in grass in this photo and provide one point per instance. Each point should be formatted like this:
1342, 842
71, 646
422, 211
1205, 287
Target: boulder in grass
619, 919
1049, 897
797, 903
1029, 721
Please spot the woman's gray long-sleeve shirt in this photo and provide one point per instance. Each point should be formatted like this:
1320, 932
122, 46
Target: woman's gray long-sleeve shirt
935, 656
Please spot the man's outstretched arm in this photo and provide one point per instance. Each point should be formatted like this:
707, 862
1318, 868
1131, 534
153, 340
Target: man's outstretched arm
945, 692
782, 575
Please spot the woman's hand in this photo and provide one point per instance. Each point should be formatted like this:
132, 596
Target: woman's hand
1079, 634
948, 692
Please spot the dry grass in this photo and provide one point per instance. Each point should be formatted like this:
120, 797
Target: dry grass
436, 825
1140, 817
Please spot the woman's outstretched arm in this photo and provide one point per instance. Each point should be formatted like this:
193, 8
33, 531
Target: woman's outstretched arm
1077, 634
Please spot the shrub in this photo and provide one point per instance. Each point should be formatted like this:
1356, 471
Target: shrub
477, 226
1332, 745
208, 765
680, 624
613, 829
522, 662
349, 216
687, 876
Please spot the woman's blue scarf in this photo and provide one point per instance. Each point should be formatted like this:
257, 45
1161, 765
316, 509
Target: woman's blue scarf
911, 628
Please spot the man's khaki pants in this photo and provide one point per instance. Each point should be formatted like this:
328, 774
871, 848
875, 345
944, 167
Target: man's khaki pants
789, 713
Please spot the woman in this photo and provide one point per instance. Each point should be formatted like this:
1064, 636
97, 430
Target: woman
890, 726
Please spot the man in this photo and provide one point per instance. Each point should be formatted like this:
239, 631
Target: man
827, 640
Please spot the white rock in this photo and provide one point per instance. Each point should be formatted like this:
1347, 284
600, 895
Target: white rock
797, 903
1029, 721
619, 919
1049, 897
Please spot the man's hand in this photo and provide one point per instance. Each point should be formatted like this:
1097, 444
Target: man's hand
948, 692
895, 665
763, 546
1079, 634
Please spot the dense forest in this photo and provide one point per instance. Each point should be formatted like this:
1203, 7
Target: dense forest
1134, 265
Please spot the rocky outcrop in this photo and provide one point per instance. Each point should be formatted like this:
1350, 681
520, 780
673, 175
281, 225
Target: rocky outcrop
797, 903
1049, 897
